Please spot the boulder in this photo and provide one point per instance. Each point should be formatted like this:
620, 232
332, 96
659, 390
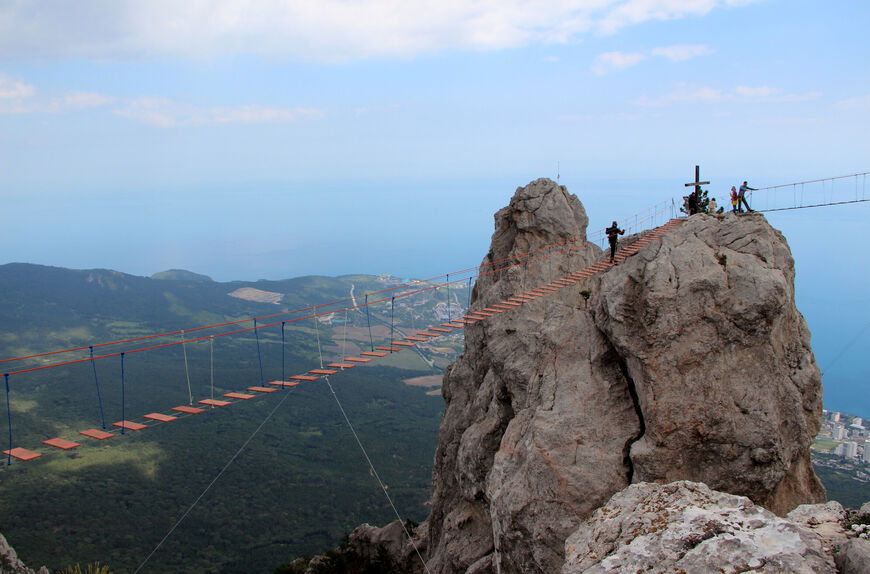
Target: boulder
825, 520
11, 564
854, 557
687, 527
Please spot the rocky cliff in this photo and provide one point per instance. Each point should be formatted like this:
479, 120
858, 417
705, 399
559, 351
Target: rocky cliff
688, 361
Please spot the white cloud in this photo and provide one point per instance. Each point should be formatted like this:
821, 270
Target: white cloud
768, 94
858, 103
14, 90
684, 94
17, 97
632, 12
682, 52
323, 30
610, 61
166, 113
691, 94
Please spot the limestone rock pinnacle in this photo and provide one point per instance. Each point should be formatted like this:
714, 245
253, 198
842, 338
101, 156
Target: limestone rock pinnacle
689, 361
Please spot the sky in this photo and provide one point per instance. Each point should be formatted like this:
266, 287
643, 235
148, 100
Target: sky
272, 139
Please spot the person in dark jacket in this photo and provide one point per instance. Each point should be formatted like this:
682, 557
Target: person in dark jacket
613, 232
741, 196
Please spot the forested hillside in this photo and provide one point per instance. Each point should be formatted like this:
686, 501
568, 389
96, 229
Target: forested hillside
300, 484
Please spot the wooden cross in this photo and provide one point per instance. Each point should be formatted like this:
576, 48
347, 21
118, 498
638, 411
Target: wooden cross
697, 183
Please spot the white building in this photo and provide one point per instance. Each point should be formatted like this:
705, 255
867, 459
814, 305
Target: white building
838, 432
866, 456
835, 417
851, 450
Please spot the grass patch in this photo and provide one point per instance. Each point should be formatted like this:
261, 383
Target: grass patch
144, 457
822, 445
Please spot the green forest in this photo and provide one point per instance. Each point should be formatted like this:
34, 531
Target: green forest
299, 485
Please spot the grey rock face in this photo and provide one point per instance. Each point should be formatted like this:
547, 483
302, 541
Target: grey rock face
688, 361
11, 564
854, 557
825, 520
720, 358
685, 526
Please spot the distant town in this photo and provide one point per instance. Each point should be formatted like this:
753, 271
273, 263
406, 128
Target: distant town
843, 443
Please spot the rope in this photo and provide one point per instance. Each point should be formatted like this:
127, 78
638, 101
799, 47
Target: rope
842, 352
283, 377
211, 364
99, 395
8, 418
259, 357
375, 473
344, 338
523, 287
219, 474
369, 319
123, 414
186, 370
392, 310
319, 350
469, 293
814, 205
448, 298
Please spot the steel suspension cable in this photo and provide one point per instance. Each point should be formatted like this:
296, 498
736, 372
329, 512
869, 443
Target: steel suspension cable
369, 319
9, 419
259, 356
99, 395
214, 480
186, 370
375, 473
123, 401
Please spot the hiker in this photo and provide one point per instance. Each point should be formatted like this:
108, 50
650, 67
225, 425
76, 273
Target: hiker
734, 201
613, 232
712, 206
741, 195
693, 203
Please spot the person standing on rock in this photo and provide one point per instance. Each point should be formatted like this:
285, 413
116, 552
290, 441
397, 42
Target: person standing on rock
712, 206
613, 232
734, 201
742, 195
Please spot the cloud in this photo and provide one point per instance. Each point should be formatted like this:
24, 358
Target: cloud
14, 90
682, 52
691, 94
634, 12
858, 103
768, 94
322, 30
17, 97
684, 94
610, 61
165, 113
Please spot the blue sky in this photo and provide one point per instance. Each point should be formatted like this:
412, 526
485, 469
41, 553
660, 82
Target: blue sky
271, 139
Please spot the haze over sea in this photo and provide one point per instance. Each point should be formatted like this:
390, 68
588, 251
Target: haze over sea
375, 137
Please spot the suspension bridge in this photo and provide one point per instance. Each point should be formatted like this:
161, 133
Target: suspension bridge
654, 221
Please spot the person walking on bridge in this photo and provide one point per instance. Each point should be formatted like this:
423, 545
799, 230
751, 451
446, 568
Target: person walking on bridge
742, 196
613, 232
